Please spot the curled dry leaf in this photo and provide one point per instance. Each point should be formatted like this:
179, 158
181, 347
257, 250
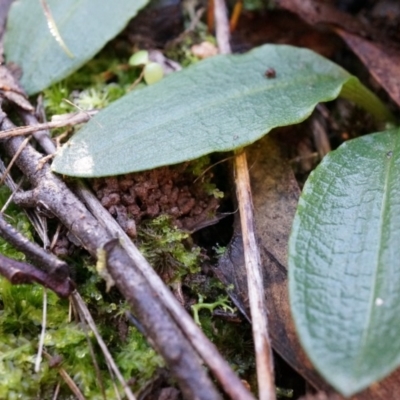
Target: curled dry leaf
380, 56
317, 12
382, 61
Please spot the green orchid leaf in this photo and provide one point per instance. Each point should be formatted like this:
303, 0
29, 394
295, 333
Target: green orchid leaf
219, 104
344, 263
51, 42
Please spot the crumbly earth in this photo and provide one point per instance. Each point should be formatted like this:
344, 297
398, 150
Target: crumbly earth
167, 190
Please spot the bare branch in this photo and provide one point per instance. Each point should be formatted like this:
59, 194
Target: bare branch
63, 121
42, 136
48, 262
19, 273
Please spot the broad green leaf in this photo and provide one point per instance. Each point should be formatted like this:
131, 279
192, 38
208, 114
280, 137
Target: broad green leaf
344, 263
219, 104
85, 26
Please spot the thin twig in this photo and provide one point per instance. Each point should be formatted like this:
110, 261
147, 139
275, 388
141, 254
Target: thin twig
55, 237
10, 198
61, 122
56, 391
258, 308
40, 257
67, 379
84, 325
42, 333
137, 81
72, 385
38, 221
83, 310
41, 136
16, 155
211, 167
222, 26
195, 17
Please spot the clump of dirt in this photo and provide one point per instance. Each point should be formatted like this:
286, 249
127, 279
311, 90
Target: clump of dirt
191, 202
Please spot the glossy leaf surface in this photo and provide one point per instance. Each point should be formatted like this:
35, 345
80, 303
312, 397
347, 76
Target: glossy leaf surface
344, 263
85, 26
219, 104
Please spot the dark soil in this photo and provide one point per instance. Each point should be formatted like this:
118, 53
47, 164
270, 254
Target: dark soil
174, 191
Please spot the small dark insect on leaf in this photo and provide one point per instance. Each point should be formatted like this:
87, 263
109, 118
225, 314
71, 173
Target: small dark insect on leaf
270, 73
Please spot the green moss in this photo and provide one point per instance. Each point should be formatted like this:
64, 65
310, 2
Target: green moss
20, 326
234, 341
16, 217
137, 359
101, 81
256, 5
180, 50
168, 249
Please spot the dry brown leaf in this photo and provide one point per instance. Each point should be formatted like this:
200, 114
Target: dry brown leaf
317, 12
380, 56
321, 396
382, 61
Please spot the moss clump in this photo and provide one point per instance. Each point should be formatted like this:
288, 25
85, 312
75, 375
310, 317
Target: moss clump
98, 83
20, 326
16, 217
168, 249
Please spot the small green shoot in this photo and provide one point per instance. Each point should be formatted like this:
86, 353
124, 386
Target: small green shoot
152, 71
222, 302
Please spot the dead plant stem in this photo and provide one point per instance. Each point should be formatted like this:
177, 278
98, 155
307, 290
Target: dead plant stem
87, 317
65, 120
222, 26
258, 308
42, 333
67, 379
